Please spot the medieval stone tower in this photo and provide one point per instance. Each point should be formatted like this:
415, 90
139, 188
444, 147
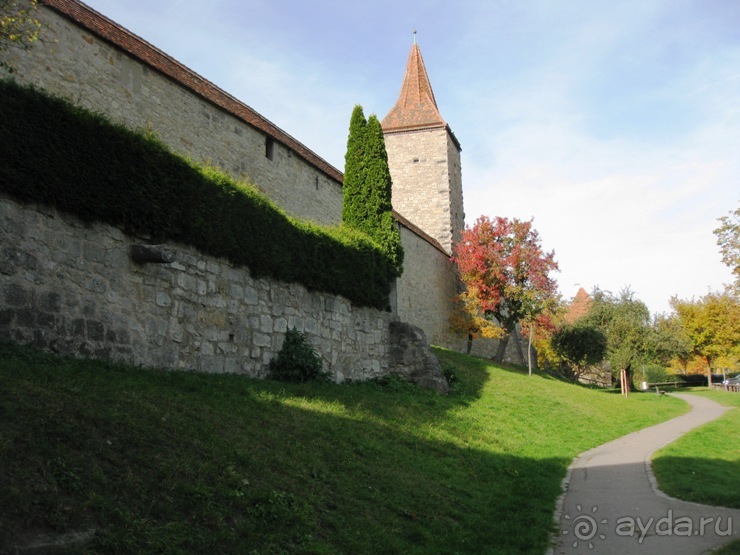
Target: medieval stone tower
424, 158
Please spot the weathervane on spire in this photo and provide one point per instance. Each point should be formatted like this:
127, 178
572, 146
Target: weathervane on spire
414, 36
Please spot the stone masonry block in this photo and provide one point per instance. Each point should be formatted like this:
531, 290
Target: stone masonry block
45, 320
6, 317
236, 290
163, 299
266, 325
25, 318
93, 252
262, 340
95, 330
251, 296
96, 284
16, 295
50, 301
12, 260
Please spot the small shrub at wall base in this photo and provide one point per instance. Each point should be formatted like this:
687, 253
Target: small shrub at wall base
396, 383
450, 374
297, 361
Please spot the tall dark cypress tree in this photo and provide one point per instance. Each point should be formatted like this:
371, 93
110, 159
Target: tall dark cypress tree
367, 187
353, 214
378, 186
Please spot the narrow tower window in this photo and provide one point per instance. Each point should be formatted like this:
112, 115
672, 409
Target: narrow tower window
269, 147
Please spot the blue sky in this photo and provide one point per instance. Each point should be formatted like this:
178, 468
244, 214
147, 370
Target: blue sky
615, 125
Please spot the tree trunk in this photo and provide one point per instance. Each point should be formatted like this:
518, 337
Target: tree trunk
628, 372
501, 351
518, 343
470, 343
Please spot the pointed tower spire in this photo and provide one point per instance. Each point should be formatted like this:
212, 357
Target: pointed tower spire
416, 107
424, 159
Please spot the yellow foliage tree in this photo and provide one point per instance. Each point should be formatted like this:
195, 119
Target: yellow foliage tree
713, 325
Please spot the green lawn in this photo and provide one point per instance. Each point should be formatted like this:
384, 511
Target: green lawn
174, 462
704, 465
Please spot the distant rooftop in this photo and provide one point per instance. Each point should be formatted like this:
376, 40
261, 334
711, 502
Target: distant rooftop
579, 306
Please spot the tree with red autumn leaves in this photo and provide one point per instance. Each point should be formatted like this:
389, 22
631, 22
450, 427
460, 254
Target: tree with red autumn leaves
506, 276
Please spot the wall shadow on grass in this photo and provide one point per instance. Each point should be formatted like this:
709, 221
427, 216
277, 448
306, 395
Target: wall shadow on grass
168, 462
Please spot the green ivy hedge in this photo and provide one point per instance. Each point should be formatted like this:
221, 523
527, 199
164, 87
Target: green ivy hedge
55, 153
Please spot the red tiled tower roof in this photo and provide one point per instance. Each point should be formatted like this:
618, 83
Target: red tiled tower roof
416, 107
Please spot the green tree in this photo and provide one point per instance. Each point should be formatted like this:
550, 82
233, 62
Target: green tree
625, 321
728, 239
367, 187
668, 341
353, 205
19, 26
379, 188
712, 323
580, 345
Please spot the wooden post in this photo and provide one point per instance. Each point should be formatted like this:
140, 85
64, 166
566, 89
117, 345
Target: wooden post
625, 385
529, 348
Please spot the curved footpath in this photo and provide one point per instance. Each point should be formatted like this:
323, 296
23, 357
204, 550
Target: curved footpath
611, 503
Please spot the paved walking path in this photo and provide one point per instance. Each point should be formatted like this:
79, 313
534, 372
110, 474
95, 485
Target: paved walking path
612, 504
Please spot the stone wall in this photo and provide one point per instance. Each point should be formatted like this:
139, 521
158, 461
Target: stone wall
76, 63
426, 291
74, 288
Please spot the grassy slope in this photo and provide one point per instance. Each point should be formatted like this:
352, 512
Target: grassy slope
703, 465
178, 462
